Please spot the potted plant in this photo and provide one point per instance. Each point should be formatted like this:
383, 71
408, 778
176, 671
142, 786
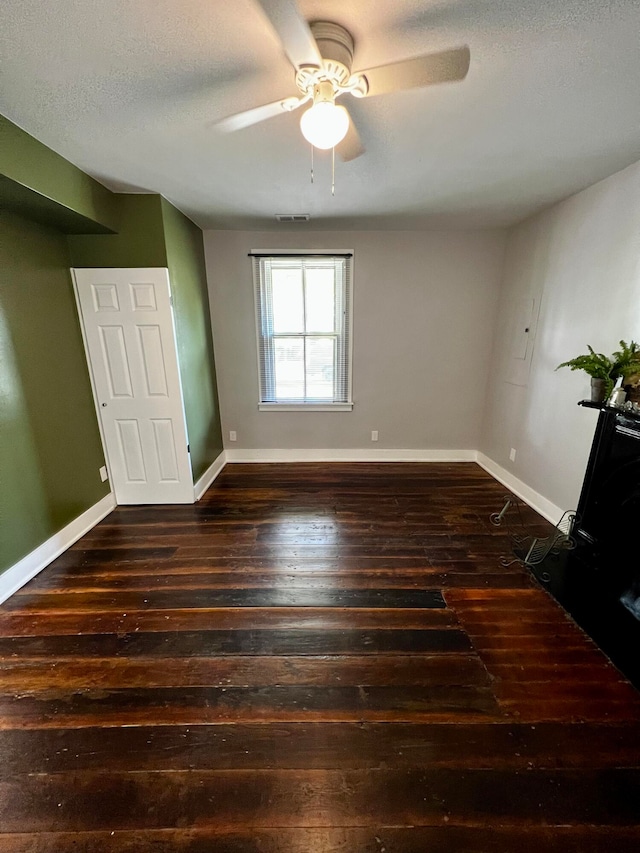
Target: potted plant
604, 370
627, 365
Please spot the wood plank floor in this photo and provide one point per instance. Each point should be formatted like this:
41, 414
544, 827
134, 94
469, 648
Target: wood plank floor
315, 658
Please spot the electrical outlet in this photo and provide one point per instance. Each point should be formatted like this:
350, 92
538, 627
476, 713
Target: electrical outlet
233, 435
103, 473
512, 454
374, 435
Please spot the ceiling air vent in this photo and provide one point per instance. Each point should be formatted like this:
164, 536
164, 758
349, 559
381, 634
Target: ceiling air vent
292, 217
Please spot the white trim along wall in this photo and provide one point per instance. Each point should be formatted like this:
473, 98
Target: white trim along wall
22, 572
28, 567
203, 483
350, 455
534, 499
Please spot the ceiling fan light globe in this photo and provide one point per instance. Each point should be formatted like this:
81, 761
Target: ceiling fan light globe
325, 124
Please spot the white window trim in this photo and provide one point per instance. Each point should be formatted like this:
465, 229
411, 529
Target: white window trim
305, 407
345, 406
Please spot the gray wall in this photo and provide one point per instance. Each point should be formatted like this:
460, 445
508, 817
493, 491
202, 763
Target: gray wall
580, 262
424, 308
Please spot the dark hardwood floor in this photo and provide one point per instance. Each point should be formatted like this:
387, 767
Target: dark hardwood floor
314, 658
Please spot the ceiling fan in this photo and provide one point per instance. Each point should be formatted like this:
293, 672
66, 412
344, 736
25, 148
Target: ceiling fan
322, 54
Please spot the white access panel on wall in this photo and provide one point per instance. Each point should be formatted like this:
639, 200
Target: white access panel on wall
131, 348
523, 320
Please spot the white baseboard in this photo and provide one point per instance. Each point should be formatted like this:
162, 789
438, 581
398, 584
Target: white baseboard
209, 476
20, 573
352, 454
535, 500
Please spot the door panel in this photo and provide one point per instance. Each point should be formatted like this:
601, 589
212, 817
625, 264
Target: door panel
130, 446
165, 449
131, 348
116, 362
153, 361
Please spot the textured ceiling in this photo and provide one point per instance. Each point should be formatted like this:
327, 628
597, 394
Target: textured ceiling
130, 91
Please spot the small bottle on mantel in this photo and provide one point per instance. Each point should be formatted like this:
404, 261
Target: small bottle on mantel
618, 396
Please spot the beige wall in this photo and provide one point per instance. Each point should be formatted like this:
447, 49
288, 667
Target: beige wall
580, 262
424, 307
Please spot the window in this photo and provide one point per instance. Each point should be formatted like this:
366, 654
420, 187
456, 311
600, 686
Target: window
303, 324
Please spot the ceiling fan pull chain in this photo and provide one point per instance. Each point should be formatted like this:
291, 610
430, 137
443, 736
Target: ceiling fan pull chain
333, 170
312, 164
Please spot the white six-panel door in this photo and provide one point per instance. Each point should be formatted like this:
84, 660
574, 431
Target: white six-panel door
131, 348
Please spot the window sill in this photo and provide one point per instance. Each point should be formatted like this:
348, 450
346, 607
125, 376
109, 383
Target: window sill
305, 407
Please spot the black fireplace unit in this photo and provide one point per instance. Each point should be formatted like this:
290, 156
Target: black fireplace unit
609, 507
600, 583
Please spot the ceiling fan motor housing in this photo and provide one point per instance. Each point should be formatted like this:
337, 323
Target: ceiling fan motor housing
334, 43
336, 48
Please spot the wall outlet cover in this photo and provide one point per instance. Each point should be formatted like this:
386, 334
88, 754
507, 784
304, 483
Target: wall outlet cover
512, 454
374, 435
233, 435
103, 473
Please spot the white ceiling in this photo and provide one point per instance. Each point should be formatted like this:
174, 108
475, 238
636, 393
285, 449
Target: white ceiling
129, 91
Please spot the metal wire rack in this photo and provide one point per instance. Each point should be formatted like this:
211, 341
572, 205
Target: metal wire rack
529, 550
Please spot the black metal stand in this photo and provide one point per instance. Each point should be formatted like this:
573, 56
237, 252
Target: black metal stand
528, 550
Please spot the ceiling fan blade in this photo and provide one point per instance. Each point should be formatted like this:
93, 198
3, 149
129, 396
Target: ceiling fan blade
249, 117
442, 67
293, 31
351, 146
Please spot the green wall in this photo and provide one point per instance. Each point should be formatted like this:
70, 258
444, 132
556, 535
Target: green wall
50, 448
153, 233
33, 166
185, 260
140, 240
